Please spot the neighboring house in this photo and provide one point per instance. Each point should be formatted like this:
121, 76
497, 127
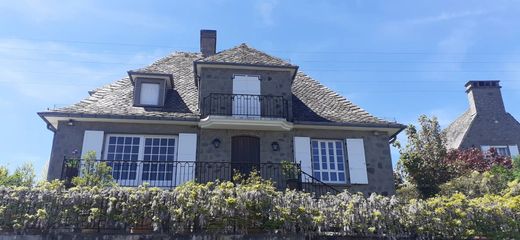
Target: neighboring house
486, 124
202, 115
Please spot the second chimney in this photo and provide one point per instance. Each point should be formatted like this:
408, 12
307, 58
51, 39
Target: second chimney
208, 42
485, 97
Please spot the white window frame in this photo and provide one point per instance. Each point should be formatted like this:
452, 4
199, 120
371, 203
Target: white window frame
335, 155
140, 158
496, 147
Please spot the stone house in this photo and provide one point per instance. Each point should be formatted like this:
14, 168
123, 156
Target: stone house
201, 116
486, 124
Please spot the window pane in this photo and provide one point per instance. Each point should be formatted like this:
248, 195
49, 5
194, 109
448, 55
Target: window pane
149, 94
328, 160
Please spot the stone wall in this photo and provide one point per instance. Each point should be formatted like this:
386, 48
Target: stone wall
70, 138
492, 129
377, 154
377, 150
220, 80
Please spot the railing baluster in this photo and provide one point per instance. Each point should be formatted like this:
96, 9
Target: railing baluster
244, 105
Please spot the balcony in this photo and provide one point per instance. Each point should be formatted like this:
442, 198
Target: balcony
244, 111
170, 174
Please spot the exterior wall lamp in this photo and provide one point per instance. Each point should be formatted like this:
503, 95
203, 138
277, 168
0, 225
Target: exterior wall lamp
70, 122
275, 146
216, 142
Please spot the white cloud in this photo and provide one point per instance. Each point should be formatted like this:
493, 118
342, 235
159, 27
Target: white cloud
53, 73
446, 16
265, 8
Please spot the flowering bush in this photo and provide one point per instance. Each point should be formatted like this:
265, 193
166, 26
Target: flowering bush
254, 205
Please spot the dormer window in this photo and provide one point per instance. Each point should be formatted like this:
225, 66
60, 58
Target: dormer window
150, 88
149, 92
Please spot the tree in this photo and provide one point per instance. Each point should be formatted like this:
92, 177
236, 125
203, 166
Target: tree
422, 159
465, 161
22, 176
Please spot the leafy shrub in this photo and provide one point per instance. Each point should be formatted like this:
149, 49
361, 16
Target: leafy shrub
93, 173
475, 184
252, 204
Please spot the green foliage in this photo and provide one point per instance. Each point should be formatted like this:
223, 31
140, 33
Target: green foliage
476, 184
289, 170
22, 176
422, 158
92, 173
253, 205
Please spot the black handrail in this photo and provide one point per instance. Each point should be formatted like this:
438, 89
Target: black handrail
248, 105
312, 184
169, 174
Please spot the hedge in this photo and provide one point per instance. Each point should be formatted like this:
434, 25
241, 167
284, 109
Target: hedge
254, 205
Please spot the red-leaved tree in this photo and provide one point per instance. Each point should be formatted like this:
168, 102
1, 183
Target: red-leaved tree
468, 160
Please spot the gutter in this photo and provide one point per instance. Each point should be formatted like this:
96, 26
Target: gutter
49, 125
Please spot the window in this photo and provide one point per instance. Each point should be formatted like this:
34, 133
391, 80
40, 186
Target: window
501, 150
141, 158
328, 160
149, 94
158, 152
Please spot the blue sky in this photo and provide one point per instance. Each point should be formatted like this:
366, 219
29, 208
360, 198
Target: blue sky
396, 59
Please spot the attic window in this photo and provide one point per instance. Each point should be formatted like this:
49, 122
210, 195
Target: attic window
149, 92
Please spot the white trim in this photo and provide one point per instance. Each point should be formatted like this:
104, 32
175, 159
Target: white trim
54, 121
245, 123
389, 130
302, 154
356, 161
513, 150
138, 180
188, 152
327, 162
92, 141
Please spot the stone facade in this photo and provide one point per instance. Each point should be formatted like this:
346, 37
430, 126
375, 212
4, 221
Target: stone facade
486, 122
68, 139
220, 80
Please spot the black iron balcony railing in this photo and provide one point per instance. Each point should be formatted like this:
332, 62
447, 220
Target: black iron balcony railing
244, 105
169, 174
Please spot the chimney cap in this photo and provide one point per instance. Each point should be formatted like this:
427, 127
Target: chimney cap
208, 33
482, 84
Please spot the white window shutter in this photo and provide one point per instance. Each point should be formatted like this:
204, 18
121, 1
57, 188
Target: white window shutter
356, 161
302, 154
485, 148
92, 141
186, 153
513, 149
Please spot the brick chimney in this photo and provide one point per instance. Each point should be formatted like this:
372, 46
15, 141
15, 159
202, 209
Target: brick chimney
208, 42
485, 97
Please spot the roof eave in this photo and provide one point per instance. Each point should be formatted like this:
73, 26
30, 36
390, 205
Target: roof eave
168, 75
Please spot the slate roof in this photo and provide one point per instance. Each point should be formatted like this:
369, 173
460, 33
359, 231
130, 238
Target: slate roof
243, 54
312, 102
456, 131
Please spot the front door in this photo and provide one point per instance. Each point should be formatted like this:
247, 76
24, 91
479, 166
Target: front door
245, 154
